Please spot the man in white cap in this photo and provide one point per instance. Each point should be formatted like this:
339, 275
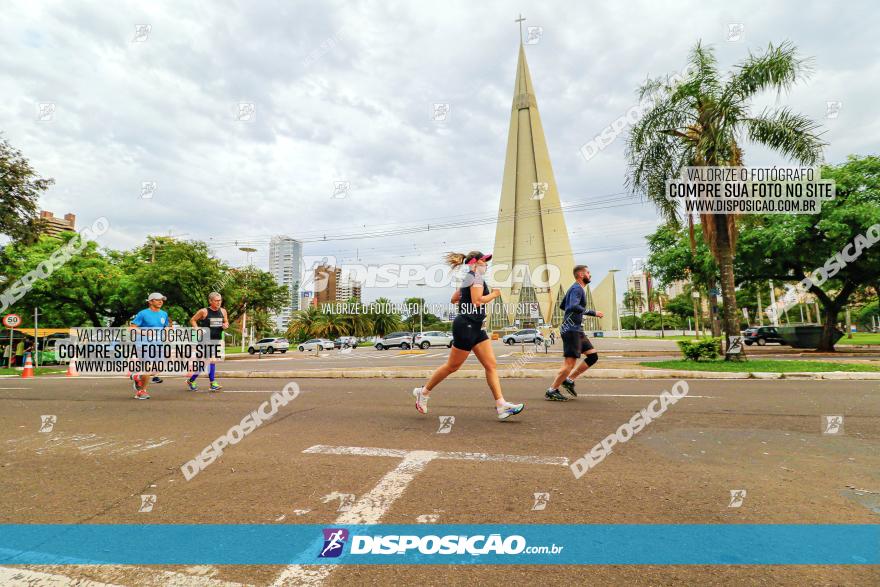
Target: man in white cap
153, 316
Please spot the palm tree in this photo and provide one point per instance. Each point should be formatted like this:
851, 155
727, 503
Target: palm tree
657, 296
632, 300
384, 321
357, 322
701, 122
303, 323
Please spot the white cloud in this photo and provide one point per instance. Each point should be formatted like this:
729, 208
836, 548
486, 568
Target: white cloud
343, 91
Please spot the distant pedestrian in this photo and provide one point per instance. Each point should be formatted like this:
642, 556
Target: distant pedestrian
19, 353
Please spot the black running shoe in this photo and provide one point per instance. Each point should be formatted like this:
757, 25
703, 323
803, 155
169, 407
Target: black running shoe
569, 387
157, 380
553, 395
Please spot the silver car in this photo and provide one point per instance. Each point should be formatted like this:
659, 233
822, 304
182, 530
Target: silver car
403, 340
269, 345
433, 338
525, 335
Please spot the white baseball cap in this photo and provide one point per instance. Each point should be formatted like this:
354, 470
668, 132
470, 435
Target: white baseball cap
156, 296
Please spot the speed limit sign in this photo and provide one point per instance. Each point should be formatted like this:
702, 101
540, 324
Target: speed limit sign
11, 320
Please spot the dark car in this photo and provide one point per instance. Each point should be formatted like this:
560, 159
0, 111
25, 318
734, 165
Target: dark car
761, 335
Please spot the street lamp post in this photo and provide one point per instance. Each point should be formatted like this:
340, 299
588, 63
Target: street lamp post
421, 309
248, 251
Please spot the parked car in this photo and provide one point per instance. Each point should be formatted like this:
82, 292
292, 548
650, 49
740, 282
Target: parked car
761, 335
525, 335
269, 345
345, 342
403, 340
321, 344
426, 340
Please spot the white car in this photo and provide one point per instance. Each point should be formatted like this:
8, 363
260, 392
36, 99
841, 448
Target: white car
525, 335
433, 338
269, 345
321, 344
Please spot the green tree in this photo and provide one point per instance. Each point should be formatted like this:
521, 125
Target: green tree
658, 297
384, 321
82, 289
357, 322
20, 189
303, 324
680, 306
788, 248
631, 301
700, 122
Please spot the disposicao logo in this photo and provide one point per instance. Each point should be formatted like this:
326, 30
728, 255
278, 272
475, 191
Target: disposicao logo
334, 540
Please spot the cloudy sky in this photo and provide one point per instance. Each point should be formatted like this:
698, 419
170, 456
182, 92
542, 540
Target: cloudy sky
343, 92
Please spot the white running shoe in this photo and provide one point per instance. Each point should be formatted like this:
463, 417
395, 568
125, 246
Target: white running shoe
421, 400
509, 410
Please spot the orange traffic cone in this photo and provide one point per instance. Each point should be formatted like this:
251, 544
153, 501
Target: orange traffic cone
28, 367
71, 369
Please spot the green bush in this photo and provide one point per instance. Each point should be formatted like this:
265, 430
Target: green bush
701, 348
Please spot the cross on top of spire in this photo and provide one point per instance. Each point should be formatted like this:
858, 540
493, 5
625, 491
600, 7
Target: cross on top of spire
520, 21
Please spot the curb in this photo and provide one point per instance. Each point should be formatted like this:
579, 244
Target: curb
545, 373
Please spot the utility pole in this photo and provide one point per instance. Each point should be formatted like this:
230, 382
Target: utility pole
774, 316
37, 336
760, 309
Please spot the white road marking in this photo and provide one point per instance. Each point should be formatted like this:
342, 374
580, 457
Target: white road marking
370, 508
18, 577
88, 443
26, 577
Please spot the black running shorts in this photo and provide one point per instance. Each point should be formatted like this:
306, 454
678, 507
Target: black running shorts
466, 334
575, 343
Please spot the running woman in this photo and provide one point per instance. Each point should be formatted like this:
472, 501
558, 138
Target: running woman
574, 342
151, 317
468, 334
215, 319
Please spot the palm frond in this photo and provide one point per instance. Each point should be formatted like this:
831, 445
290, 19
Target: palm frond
779, 67
789, 133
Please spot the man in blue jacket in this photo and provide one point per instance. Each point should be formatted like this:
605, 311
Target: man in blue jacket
574, 342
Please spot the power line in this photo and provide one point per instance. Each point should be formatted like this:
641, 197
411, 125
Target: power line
588, 206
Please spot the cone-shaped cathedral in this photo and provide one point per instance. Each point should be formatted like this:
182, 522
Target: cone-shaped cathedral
531, 239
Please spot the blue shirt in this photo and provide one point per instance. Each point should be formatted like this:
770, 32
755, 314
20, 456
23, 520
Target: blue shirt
148, 318
574, 304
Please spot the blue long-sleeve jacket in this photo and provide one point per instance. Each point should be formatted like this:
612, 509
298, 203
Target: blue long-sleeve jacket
574, 304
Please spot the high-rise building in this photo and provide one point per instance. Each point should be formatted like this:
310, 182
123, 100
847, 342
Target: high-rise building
286, 265
531, 233
325, 284
676, 288
347, 288
53, 226
640, 282
331, 285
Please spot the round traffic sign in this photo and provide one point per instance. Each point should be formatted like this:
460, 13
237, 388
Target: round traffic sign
11, 320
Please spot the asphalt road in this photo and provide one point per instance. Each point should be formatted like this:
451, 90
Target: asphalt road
105, 450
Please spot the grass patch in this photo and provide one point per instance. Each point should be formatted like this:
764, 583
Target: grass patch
762, 365
38, 371
860, 338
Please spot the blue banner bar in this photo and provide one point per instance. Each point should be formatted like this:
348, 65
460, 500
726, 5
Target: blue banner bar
599, 544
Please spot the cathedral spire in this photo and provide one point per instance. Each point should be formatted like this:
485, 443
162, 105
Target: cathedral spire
531, 231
